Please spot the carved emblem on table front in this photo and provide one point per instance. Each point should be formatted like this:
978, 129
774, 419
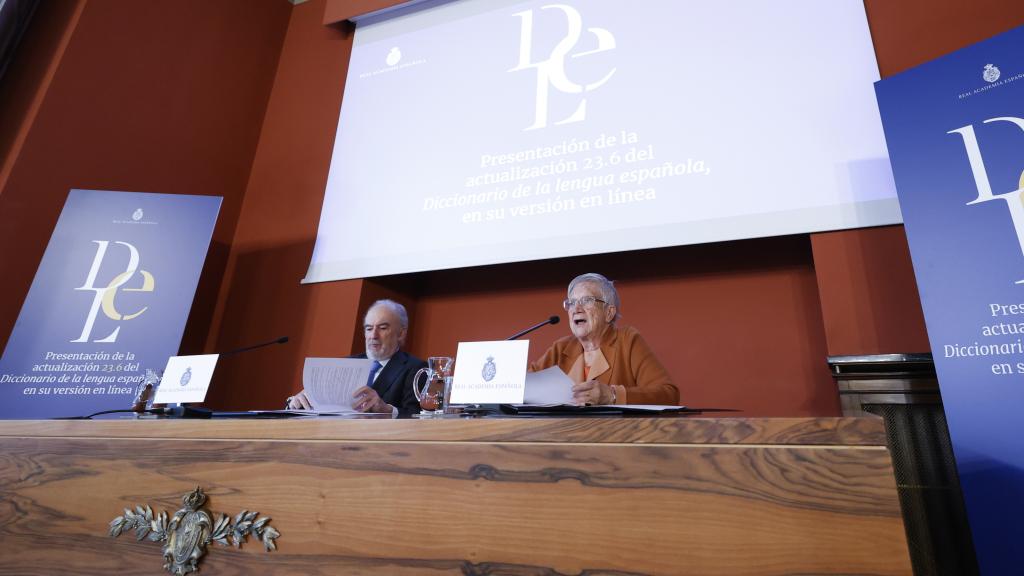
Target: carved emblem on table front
190, 530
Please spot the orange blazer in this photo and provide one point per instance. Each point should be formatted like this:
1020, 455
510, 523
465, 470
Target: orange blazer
630, 366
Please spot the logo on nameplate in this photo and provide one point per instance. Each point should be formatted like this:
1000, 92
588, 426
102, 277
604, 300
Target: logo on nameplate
490, 370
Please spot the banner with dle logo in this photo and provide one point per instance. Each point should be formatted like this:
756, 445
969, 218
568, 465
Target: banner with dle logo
955, 132
109, 300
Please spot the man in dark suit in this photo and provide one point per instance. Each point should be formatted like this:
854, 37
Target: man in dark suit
385, 328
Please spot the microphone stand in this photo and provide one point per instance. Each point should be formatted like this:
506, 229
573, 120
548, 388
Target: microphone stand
551, 320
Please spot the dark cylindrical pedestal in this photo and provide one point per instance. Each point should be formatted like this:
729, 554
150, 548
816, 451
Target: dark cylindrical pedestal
903, 390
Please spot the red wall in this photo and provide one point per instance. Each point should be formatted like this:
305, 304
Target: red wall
261, 297
241, 98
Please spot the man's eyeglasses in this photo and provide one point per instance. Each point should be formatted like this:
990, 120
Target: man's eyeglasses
586, 302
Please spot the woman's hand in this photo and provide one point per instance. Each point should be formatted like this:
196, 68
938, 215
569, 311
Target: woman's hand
591, 392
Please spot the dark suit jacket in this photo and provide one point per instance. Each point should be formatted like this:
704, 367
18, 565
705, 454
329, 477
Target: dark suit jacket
394, 384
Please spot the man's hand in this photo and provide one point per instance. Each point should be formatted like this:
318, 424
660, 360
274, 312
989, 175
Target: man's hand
366, 399
299, 401
591, 392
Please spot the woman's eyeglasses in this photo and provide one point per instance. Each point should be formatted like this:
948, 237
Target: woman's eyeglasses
586, 302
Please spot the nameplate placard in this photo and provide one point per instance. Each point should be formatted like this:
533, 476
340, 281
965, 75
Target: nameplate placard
490, 372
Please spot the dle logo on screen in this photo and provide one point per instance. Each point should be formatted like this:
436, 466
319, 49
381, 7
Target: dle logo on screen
551, 70
1014, 199
105, 295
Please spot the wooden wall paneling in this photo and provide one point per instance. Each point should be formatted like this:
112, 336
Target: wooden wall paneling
414, 504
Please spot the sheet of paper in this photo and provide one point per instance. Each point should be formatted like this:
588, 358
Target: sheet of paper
186, 379
330, 382
549, 386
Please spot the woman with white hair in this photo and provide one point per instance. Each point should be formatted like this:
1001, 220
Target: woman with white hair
608, 364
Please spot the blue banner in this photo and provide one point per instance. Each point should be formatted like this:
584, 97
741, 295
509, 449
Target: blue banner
955, 131
109, 300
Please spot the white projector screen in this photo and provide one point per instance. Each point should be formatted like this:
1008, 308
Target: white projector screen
487, 131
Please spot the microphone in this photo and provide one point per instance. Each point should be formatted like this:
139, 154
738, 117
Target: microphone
280, 340
551, 320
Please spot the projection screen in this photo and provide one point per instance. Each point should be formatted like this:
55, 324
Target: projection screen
479, 132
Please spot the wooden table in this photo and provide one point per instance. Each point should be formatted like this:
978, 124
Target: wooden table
728, 496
